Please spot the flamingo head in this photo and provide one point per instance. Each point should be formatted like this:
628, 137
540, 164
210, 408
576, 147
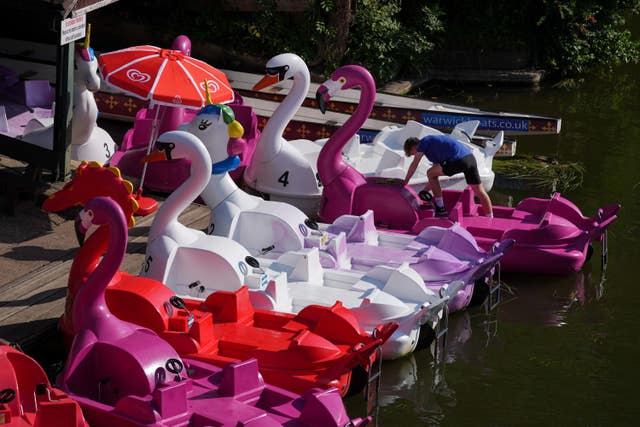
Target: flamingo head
282, 67
345, 77
97, 211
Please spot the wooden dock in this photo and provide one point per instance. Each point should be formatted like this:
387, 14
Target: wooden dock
36, 252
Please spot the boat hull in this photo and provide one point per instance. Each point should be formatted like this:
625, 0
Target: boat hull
551, 235
27, 398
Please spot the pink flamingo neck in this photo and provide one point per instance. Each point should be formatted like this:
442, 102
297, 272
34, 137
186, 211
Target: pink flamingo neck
330, 161
90, 307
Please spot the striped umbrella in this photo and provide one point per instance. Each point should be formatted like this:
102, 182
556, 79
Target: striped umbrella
164, 76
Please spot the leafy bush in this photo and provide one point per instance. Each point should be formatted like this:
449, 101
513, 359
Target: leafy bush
392, 37
386, 42
577, 35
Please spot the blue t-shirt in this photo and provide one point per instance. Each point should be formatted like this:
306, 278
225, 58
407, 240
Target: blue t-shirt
442, 148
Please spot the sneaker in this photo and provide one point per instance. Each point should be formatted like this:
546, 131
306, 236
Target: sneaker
425, 196
441, 211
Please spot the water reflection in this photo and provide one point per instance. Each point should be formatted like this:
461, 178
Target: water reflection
547, 301
418, 386
418, 383
542, 300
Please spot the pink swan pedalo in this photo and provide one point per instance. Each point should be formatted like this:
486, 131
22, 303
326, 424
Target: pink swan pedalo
126, 375
551, 235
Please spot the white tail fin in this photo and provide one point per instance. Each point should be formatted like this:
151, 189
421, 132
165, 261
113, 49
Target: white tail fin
494, 144
464, 131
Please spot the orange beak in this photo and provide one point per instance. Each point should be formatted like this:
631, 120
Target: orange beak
155, 156
266, 81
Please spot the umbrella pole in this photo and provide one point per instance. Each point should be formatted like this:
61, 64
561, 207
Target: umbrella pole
148, 205
154, 127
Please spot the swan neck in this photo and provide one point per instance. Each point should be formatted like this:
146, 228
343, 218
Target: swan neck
219, 188
85, 114
90, 303
330, 161
271, 139
183, 196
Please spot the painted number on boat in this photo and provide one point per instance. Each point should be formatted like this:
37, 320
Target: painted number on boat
284, 179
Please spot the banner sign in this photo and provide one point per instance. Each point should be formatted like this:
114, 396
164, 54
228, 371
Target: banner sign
367, 136
486, 123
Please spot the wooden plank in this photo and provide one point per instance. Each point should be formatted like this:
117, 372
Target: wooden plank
31, 304
246, 81
266, 108
388, 108
398, 109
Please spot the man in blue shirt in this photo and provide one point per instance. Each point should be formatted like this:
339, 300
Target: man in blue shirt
449, 157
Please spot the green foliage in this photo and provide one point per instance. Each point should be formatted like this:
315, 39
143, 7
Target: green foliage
375, 36
386, 42
393, 37
578, 35
267, 31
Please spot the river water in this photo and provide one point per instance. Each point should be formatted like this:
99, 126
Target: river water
560, 351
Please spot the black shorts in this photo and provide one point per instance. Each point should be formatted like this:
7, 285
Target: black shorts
467, 165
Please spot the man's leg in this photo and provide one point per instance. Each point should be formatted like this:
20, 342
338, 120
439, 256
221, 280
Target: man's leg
485, 201
432, 175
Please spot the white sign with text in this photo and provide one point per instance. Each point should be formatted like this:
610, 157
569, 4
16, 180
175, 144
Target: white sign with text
73, 29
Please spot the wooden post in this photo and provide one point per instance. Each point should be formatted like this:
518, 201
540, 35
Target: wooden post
63, 113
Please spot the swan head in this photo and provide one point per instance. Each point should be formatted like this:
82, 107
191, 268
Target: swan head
85, 68
345, 77
214, 125
179, 144
85, 64
282, 67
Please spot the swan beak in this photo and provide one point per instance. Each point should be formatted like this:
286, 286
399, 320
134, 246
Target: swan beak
322, 97
80, 230
266, 81
155, 156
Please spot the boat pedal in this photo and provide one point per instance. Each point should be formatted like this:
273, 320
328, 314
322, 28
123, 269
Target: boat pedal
494, 289
374, 375
604, 258
443, 324
440, 340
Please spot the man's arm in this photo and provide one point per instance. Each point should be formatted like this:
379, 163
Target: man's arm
412, 167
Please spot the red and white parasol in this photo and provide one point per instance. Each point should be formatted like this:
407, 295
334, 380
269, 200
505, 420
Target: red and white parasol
168, 77
164, 76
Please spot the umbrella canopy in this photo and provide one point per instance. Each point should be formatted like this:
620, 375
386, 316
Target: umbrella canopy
164, 76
